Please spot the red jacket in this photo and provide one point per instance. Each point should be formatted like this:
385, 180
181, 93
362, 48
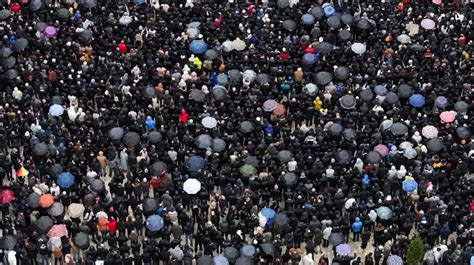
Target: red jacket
183, 117
472, 206
284, 56
218, 22
15, 8
112, 226
122, 47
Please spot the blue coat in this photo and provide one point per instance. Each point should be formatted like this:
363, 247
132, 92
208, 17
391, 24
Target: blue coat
150, 123
357, 226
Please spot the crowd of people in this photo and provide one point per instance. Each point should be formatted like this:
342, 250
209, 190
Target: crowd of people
236, 132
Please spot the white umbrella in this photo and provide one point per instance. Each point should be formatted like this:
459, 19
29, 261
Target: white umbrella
228, 46
429, 131
192, 186
125, 19
239, 45
209, 122
405, 145
348, 204
358, 48
404, 38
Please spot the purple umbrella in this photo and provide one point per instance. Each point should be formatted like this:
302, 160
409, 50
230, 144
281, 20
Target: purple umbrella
50, 32
343, 249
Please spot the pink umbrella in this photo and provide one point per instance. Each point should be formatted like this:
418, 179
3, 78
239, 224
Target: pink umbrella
448, 116
437, 2
381, 149
50, 32
428, 23
58, 231
279, 110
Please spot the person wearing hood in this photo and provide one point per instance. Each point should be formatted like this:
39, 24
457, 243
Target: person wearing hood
357, 228
150, 123
183, 116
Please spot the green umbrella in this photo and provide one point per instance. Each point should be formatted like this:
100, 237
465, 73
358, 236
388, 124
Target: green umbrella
247, 170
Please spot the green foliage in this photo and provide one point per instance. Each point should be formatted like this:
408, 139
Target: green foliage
415, 251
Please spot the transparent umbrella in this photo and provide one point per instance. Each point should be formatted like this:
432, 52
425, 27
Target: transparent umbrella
239, 45
429, 131
209, 122
269, 105
311, 89
404, 38
358, 48
203, 141
384, 213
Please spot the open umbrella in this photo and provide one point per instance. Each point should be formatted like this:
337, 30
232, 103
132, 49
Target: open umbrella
20, 44
246, 127
441, 102
116, 133
463, 132
4, 14
58, 230
231, 253
373, 157
289, 25
150, 205
428, 24
154, 137
399, 128
5, 52
36, 5
317, 12
409, 185
50, 32
279, 110
235, 76
334, 22
192, 186
76, 210
203, 141
154, 223
384, 213
89, 3
222, 79
358, 48
461, 107
197, 95
239, 45
343, 157
349, 203
311, 89
381, 149
269, 105
9, 62
40, 149
32, 200
44, 224
404, 38
307, 19
417, 100
218, 145
8, 242
65, 180
131, 139
247, 170
198, 46
342, 73
220, 260
366, 95
158, 168
268, 213
347, 19
56, 110
349, 134
290, 179
429, 131
348, 102
6, 196
97, 185
263, 78
417, 47
281, 219
329, 10
46, 200
323, 78
249, 75
248, 251
343, 249
380, 90
405, 91
56, 209
448, 116
344, 35
335, 129
193, 33
284, 156
324, 47
195, 163
283, 4
209, 122
363, 24
219, 92
150, 92
394, 260
309, 59
251, 160
86, 36
81, 240
435, 145
391, 98
336, 239
54, 243
211, 54
62, 13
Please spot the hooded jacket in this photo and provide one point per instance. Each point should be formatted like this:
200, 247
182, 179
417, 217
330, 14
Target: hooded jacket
357, 226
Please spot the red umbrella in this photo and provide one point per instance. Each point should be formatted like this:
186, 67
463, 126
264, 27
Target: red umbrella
279, 110
58, 231
6, 196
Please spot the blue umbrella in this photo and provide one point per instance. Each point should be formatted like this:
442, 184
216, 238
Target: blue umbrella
222, 79
417, 100
307, 19
329, 10
198, 46
384, 213
309, 58
380, 90
220, 260
195, 163
247, 251
343, 249
154, 223
56, 110
409, 185
65, 180
394, 260
268, 213
138, 2
441, 102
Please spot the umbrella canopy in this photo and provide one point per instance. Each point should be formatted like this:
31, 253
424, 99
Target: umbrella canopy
50, 32
36, 5
417, 100
86, 36
89, 3
220, 260
46, 200
209, 122
198, 46
5, 52
344, 35
247, 170
6, 196
131, 139
281, 219
317, 12
204, 260
366, 95
358, 48
150, 92
417, 47
246, 127
329, 10
335, 129
4, 14
40, 149
334, 22
235, 76
391, 98
399, 128
461, 107
56, 110
219, 92
405, 91
154, 223
222, 79
154, 137
348, 102
44, 224
203, 141
323, 78
373, 157
429, 131
193, 33
380, 90
76, 210
197, 95
311, 89
349, 134
116, 133
263, 78
363, 24
251, 160
231, 253
195, 163
279, 110
20, 44
54, 243
441, 102
394, 260
409, 185
56, 209
59, 230
324, 47
239, 45
8, 242
307, 19
428, 24
463, 132
309, 59
248, 251
343, 157
211, 54
404, 38
32, 200
249, 75
336, 239
342, 73
381, 149
244, 261
268, 213
289, 25
349, 203
218, 145
283, 3
269, 105
284, 156
347, 19
435, 145
448, 116
81, 240
384, 213
150, 205
343, 249
9, 62
97, 185
158, 168
62, 13
192, 186
290, 179
65, 180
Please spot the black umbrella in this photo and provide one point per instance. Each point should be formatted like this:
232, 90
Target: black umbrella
363, 24
251, 160
342, 73
11, 74
219, 92
343, 157
268, 249
244, 261
373, 157
158, 168
9, 62
131, 139
40, 26
463, 132
62, 13
40, 149
281, 219
56, 100
20, 44
89, 3
348, 102
218, 145
335, 129
289, 25
316, 32
5, 52
349, 134
366, 95
211, 54
435, 145
56, 169
336, 239
4, 14
197, 95
44, 224
8, 242
154, 137
399, 128
97, 185
235, 77
290, 179
231, 254
317, 12
347, 19
32, 200
391, 98
284, 156
150, 205
334, 22
323, 78
461, 106
81, 240
405, 91
36, 5
324, 47
203, 141
204, 260
417, 47
344, 35
86, 36
246, 127
116, 133
263, 78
